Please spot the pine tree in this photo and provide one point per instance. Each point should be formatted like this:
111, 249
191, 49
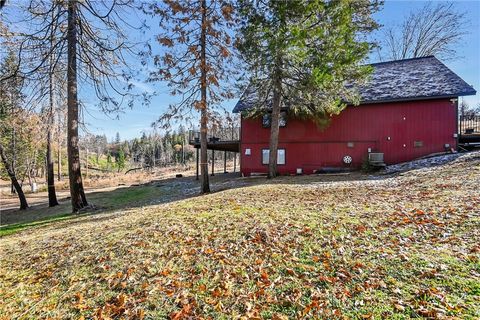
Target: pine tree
93, 36
121, 160
52, 196
196, 62
304, 56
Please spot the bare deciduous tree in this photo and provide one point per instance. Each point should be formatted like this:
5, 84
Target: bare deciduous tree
466, 111
91, 38
11, 99
432, 30
195, 62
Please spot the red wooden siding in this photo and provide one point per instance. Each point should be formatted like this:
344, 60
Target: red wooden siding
391, 128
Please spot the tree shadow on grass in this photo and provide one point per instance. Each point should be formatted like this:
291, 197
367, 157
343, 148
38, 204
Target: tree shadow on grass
109, 202
153, 193
121, 198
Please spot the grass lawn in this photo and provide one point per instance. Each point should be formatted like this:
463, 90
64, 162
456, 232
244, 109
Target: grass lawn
399, 247
106, 201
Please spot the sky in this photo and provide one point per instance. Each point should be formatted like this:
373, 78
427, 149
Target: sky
133, 122
467, 66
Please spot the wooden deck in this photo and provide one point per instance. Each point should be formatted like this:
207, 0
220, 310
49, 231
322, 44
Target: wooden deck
469, 131
227, 140
472, 139
221, 145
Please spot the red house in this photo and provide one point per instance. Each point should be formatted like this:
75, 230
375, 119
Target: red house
408, 110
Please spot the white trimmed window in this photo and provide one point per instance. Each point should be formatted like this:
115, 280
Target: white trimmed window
280, 156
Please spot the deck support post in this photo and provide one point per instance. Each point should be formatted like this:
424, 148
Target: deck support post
197, 163
234, 162
225, 162
213, 162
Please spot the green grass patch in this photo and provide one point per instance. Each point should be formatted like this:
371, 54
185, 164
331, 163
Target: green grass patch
104, 201
16, 227
125, 197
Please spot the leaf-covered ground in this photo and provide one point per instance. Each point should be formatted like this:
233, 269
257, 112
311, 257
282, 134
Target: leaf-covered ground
399, 247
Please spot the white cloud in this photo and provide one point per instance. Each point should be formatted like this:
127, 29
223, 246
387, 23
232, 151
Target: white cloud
142, 86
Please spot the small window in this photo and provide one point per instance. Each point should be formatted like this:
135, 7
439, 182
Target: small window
265, 155
267, 120
282, 122
418, 144
280, 156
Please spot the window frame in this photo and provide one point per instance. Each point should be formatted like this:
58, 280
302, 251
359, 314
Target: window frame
283, 115
278, 150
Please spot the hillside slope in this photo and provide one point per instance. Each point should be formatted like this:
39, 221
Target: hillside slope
404, 246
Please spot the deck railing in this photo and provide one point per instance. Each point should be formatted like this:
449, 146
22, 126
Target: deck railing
223, 134
469, 124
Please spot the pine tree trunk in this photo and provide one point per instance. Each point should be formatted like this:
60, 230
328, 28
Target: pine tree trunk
77, 193
14, 157
13, 178
52, 197
86, 163
59, 151
274, 124
204, 115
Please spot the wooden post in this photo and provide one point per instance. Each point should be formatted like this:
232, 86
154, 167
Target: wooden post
225, 162
14, 157
197, 163
213, 162
234, 161
183, 152
59, 151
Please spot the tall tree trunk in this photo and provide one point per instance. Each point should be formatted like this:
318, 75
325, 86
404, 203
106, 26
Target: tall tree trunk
31, 165
59, 151
77, 193
52, 196
274, 124
14, 156
153, 154
86, 163
13, 178
204, 114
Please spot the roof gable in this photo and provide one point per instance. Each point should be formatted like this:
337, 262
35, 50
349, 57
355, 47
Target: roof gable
400, 80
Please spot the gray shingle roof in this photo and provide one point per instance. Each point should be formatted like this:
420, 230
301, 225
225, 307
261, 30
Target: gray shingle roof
401, 80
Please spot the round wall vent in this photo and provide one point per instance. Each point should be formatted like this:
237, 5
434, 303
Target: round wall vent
347, 159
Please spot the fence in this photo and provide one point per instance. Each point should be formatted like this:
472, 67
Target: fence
469, 124
223, 134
